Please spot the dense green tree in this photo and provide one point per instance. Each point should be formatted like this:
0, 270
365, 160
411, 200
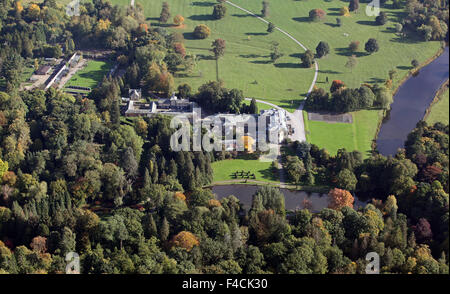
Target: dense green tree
322, 49
371, 46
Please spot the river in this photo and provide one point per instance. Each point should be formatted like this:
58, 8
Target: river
293, 199
410, 103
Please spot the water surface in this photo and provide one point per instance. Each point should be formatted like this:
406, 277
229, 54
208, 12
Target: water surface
293, 198
410, 103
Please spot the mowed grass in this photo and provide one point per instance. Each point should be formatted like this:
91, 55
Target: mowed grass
261, 106
225, 168
355, 136
246, 64
90, 75
439, 111
394, 53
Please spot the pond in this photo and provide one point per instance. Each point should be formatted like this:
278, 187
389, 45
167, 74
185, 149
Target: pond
293, 198
410, 103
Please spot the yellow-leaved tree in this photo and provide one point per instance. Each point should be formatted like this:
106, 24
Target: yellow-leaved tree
34, 11
185, 240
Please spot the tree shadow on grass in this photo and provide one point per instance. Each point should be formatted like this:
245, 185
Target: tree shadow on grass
241, 15
205, 57
375, 81
267, 174
261, 61
334, 9
346, 52
329, 72
189, 36
367, 23
302, 19
256, 34
291, 103
288, 65
402, 67
201, 17
296, 55
250, 55
389, 30
333, 25
203, 4
334, 14
406, 40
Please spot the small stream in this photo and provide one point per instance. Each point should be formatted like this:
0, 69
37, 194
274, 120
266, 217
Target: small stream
410, 103
293, 198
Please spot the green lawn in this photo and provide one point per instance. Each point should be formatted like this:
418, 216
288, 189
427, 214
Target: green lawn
245, 66
439, 111
90, 75
248, 46
224, 168
261, 106
334, 136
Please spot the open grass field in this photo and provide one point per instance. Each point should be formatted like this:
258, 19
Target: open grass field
261, 106
248, 46
439, 111
90, 75
334, 136
245, 64
224, 168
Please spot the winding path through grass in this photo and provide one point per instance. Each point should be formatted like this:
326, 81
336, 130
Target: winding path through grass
296, 118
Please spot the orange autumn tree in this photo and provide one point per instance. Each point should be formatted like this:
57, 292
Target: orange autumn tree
248, 142
214, 203
339, 198
39, 244
178, 20
336, 85
180, 49
18, 7
185, 240
34, 11
180, 196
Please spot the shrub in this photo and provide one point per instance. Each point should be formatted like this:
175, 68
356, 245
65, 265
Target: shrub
219, 11
322, 49
178, 20
185, 240
338, 199
202, 31
317, 14
336, 85
353, 5
353, 46
381, 19
344, 11
372, 46
307, 59
180, 49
